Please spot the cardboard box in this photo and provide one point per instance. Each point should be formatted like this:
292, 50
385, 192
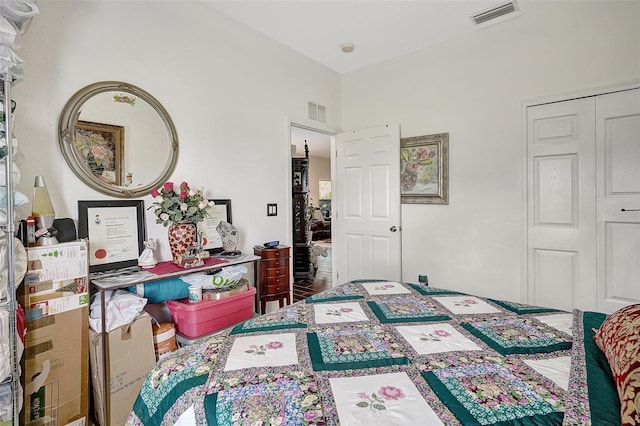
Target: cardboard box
58, 262
131, 356
56, 279
55, 370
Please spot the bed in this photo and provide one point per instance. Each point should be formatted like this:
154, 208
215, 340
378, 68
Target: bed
379, 352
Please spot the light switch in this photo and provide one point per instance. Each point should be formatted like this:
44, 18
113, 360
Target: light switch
272, 209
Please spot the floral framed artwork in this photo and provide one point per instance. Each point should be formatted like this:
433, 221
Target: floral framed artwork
101, 146
424, 169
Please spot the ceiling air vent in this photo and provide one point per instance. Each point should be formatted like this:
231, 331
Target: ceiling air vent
494, 12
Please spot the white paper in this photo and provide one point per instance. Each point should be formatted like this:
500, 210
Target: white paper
113, 234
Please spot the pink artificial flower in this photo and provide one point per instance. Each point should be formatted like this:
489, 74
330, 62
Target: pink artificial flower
168, 186
274, 345
184, 185
183, 195
390, 392
154, 193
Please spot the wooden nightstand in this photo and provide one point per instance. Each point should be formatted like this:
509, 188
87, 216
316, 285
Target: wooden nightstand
272, 275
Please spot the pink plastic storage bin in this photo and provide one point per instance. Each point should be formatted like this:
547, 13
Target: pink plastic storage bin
206, 316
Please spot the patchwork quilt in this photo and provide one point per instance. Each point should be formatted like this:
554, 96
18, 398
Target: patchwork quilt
389, 353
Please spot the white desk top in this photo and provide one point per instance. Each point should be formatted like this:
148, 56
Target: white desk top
120, 278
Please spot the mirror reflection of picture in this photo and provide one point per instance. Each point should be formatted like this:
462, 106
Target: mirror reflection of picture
101, 147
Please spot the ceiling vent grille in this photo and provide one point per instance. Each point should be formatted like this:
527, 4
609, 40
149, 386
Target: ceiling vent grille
494, 12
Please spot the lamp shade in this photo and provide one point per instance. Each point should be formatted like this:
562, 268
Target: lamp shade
42, 209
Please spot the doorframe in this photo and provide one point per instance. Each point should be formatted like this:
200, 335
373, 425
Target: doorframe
524, 220
316, 126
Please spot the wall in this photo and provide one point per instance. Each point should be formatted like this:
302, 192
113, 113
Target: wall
475, 88
319, 169
228, 90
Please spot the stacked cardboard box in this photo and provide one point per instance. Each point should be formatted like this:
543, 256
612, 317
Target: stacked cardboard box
55, 364
131, 356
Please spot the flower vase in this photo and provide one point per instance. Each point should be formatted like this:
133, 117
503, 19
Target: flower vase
181, 237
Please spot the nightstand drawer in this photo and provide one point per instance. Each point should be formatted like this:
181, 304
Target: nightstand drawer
275, 253
277, 288
276, 280
274, 272
276, 263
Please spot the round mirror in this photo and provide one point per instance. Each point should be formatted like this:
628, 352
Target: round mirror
118, 139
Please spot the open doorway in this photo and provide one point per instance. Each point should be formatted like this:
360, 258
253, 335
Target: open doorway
312, 260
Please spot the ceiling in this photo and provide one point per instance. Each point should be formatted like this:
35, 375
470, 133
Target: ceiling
379, 30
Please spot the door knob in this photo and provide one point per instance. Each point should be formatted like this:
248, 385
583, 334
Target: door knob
393, 228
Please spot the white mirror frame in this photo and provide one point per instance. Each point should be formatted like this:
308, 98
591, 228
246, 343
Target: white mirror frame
67, 130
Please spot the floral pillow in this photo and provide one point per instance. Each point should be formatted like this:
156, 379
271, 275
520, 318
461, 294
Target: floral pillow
619, 339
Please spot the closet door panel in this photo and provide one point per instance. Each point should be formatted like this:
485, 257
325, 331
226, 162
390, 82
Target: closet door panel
618, 198
561, 230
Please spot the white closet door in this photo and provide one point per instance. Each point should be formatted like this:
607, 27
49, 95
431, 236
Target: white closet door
618, 199
561, 221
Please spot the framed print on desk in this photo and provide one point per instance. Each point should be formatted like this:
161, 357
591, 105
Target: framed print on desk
221, 211
116, 231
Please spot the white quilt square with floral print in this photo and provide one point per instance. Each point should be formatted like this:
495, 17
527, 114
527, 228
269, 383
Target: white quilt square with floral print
382, 288
556, 369
333, 313
461, 305
268, 350
436, 338
562, 322
383, 399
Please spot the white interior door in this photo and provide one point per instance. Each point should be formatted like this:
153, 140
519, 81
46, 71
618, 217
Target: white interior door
367, 238
618, 199
561, 235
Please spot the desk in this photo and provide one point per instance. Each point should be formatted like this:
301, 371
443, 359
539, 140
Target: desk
122, 278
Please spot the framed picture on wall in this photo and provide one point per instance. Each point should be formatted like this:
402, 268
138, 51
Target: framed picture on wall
424, 169
221, 211
101, 146
116, 231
